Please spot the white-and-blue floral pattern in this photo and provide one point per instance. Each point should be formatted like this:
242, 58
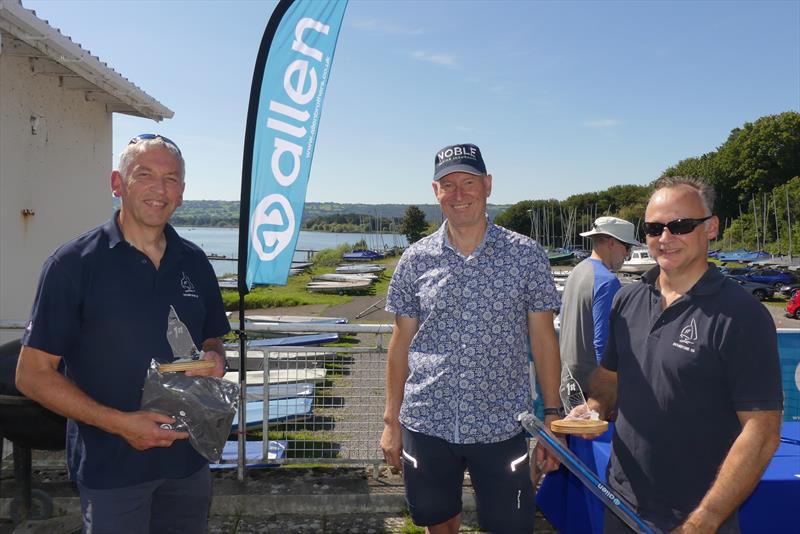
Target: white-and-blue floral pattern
467, 363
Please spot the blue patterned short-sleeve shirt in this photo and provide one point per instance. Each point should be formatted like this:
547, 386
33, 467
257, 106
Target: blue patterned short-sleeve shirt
468, 360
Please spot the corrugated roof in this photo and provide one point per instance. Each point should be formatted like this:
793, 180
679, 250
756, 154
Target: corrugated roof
22, 33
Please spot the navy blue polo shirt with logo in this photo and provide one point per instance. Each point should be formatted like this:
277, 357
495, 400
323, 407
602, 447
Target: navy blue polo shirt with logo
102, 306
683, 374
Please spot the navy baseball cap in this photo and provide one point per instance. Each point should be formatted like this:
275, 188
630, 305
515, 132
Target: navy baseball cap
458, 158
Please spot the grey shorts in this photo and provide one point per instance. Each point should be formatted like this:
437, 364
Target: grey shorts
433, 470
163, 506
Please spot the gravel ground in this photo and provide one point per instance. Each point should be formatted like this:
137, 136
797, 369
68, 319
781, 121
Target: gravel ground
777, 308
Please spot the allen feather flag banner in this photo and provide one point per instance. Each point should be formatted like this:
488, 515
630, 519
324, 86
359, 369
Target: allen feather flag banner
289, 83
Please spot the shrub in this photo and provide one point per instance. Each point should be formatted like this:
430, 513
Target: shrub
329, 257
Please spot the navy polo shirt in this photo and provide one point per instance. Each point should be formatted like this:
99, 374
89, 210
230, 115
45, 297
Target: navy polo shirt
683, 374
102, 306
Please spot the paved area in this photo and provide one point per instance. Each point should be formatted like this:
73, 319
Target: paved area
778, 311
286, 500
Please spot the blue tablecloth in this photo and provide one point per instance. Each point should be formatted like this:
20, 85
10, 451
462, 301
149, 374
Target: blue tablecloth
572, 509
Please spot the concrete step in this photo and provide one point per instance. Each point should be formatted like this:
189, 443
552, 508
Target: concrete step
334, 500
371, 523
335, 524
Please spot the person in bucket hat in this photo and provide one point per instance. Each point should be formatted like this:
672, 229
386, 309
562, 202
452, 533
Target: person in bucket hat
466, 300
590, 288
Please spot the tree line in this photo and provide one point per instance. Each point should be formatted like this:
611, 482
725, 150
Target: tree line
351, 222
755, 173
225, 213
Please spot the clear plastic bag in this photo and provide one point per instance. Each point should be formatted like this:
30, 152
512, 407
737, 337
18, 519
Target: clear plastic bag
203, 406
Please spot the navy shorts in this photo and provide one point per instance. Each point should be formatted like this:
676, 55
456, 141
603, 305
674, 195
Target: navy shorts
163, 506
433, 470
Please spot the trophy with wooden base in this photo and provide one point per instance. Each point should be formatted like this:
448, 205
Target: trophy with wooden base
580, 419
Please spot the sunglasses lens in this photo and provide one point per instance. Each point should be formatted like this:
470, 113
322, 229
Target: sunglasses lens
653, 229
682, 226
676, 227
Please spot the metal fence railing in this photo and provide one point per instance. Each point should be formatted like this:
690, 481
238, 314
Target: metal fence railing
314, 404
317, 404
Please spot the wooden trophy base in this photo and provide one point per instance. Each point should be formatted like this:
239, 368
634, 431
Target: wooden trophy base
185, 366
579, 426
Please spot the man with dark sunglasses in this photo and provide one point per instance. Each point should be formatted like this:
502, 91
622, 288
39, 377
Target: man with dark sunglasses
692, 367
101, 312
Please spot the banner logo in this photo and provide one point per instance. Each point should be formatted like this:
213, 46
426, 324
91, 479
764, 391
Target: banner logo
273, 226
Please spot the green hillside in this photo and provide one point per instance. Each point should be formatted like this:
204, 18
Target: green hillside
225, 213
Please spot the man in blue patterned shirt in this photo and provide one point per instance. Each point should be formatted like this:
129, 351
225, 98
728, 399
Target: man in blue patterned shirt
466, 301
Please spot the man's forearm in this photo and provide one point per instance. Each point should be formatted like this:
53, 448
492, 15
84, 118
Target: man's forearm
57, 393
547, 362
740, 472
546, 356
602, 391
397, 366
396, 375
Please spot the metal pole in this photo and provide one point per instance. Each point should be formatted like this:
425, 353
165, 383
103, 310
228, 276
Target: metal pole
613, 502
241, 433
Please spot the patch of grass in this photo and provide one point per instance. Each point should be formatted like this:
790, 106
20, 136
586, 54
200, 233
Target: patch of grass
408, 525
382, 285
294, 293
295, 435
330, 257
345, 340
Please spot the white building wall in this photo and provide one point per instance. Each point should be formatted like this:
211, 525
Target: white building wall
60, 173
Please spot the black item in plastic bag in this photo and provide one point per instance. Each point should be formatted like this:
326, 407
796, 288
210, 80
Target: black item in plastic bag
203, 406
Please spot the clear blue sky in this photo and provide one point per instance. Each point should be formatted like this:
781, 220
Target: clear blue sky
562, 97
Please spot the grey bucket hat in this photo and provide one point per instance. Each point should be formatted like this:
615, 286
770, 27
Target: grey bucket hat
617, 228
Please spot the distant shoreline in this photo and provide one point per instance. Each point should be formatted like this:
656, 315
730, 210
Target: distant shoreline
189, 226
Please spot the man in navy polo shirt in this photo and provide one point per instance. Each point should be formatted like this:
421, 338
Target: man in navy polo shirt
466, 299
101, 309
692, 366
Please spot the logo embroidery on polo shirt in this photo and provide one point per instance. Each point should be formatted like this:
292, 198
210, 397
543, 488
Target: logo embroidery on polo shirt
188, 286
687, 337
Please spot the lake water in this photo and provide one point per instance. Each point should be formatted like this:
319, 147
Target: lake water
225, 242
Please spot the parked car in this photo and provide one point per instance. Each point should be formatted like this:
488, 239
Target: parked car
793, 306
789, 290
735, 271
757, 289
773, 277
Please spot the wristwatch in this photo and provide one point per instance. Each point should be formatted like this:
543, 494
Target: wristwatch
554, 411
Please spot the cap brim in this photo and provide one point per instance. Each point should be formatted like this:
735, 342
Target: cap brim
457, 168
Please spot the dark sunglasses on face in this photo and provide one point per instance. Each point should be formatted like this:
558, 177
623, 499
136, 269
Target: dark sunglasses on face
676, 227
147, 137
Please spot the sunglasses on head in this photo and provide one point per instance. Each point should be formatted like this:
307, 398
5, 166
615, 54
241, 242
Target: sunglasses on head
148, 136
676, 227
